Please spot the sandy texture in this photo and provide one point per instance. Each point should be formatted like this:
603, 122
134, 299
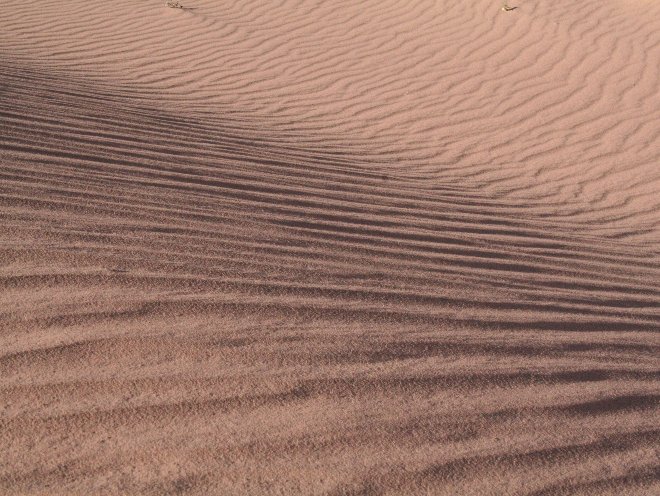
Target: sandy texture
331, 247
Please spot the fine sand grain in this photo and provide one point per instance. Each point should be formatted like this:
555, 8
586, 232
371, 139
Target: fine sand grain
340, 247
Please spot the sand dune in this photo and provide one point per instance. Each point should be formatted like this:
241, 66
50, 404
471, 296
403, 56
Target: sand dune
314, 247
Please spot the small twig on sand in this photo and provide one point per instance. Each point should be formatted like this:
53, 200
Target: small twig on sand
506, 8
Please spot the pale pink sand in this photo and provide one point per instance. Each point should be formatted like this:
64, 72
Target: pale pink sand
329, 247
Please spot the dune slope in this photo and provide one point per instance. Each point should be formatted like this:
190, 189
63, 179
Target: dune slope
310, 247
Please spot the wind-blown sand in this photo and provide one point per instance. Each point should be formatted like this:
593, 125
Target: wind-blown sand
330, 247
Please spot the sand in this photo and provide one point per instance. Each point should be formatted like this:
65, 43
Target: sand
329, 247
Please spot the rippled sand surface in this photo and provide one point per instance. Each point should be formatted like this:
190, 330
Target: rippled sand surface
330, 247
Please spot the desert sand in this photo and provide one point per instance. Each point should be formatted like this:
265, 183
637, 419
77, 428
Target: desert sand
338, 247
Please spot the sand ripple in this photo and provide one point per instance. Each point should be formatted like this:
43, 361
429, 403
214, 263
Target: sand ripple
310, 247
